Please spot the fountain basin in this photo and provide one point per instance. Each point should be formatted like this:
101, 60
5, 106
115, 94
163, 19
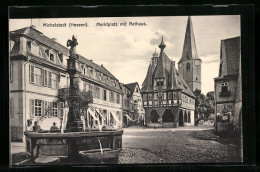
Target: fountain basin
74, 146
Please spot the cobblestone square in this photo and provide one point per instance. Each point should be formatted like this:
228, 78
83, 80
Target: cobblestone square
180, 145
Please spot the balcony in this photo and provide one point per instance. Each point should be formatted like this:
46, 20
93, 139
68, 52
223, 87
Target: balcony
224, 94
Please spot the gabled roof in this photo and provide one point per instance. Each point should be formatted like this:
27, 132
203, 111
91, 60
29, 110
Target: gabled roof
176, 82
38, 36
189, 48
230, 53
131, 87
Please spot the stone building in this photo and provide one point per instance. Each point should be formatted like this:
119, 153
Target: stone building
137, 112
228, 89
38, 71
168, 97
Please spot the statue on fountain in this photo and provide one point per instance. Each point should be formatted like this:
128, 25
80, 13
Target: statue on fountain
72, 44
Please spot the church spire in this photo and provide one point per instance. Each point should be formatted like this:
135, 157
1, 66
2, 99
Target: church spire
189, 48
162, 45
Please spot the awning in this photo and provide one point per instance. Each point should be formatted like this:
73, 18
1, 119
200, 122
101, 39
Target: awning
128, 117
92, 113
100, 114
114, 115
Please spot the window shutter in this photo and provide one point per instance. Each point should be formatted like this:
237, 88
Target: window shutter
45, 78
50, 81
32, 107
51, 110
31, 71
61, 110
45, 108
42, 77
58, 109
11, 72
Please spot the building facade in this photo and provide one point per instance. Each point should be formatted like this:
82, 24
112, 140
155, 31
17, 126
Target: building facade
228, 88
126, 105
167, 99
137, 112
37, 75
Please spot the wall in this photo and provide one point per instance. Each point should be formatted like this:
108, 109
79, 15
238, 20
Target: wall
232, 88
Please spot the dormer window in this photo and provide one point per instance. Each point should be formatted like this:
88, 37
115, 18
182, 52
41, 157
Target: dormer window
91, 71
47, 52
29, 45
61, 57
51, 57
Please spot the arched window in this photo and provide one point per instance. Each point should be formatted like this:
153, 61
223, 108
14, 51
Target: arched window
188, 66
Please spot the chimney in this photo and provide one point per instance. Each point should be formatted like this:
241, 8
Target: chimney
54, 39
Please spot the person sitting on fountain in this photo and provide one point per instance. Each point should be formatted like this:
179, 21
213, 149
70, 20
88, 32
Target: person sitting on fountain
36, 127
54, 127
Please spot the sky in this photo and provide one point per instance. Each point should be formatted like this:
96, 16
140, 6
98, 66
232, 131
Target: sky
126, 51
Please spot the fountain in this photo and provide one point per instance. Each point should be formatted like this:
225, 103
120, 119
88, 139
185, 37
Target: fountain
74, 145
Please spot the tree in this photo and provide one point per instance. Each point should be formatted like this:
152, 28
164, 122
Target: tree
84, 98
204, 104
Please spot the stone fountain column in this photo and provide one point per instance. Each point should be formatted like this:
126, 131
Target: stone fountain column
74, 122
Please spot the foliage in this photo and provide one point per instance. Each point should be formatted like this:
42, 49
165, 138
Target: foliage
84, 98
204, 104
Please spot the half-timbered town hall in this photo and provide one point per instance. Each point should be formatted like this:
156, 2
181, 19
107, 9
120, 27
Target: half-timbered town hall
168, 97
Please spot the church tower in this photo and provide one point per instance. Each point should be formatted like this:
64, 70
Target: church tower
189, 65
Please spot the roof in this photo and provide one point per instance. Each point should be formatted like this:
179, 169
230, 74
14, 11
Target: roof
131, 87
165, 68
38, 36
230, 53
189, 47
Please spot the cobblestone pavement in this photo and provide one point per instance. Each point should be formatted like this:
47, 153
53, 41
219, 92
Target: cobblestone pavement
181, 145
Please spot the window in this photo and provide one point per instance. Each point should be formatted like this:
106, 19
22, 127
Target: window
220, 69
52, 57
188, 67
105, 95
97, 92
11, 72
90, 88
84, 71
155, 96
38, 75
224, 87
84, 86
137, 90
50, 80
29, 45
54, 80
118, 98
144, 97
111, 96
55, 109
196, 78
150, 97
170, 95
175, 95
38, 107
